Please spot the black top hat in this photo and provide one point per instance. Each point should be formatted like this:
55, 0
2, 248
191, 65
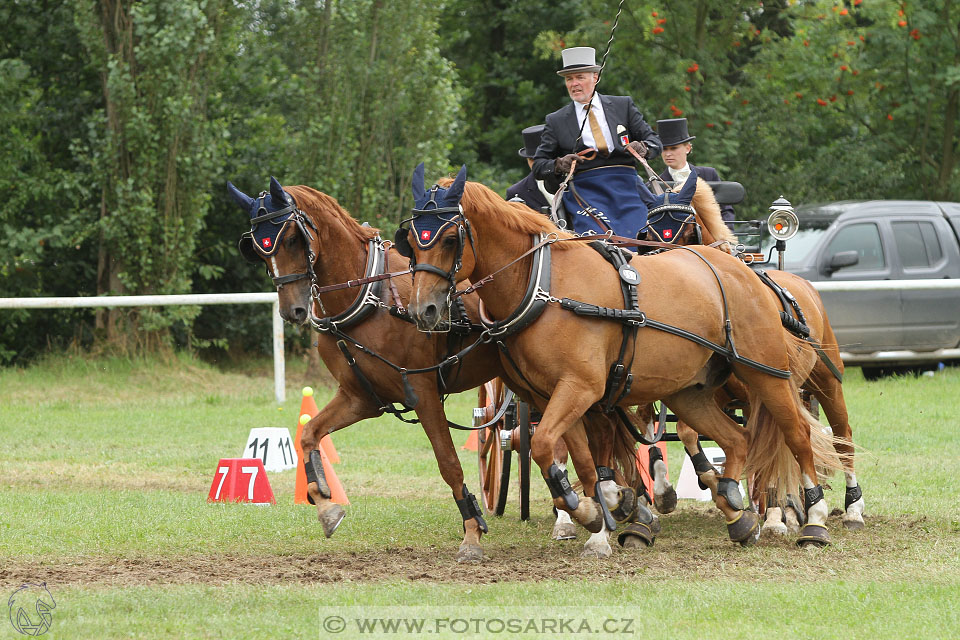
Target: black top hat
673, 132
531, 140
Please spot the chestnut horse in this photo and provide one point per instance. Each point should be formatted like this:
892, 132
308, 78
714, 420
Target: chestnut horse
731, 326
824, 381
341, 249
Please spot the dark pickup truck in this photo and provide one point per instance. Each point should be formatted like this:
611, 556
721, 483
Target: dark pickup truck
891, 322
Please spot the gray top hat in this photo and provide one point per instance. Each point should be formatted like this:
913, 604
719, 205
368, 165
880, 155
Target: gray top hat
579, 60
673, 131
531, 140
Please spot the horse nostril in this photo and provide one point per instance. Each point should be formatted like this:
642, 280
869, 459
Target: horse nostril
299, 314
430, 314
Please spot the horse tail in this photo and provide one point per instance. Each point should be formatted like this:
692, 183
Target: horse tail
616, 442
769, 459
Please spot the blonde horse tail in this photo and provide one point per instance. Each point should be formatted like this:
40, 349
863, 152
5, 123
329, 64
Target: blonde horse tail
769, 459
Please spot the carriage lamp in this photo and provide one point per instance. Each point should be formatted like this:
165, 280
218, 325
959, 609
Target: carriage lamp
783, 225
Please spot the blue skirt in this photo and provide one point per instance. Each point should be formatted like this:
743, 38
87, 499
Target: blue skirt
612, 191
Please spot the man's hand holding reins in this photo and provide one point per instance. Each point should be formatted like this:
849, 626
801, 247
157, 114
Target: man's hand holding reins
562, 164
639, 147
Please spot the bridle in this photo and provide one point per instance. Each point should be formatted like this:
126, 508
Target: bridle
441, 218
292, 214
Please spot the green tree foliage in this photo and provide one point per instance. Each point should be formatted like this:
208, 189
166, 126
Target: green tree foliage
861, 101
122, 120
150, 150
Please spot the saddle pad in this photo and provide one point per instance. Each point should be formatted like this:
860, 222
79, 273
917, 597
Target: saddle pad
613, 192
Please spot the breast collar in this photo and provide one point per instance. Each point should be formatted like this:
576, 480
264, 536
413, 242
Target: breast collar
534, 300
368, 298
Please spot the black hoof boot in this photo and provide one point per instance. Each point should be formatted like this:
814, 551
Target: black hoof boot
813, 535
636, 531
745, 528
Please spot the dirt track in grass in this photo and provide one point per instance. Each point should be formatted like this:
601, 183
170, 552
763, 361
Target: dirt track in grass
889, 548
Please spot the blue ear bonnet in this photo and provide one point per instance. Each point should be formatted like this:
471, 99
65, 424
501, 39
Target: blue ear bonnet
436, 209
669, 212
270, 212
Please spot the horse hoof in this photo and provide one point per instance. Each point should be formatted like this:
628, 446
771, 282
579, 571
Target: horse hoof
564, 531
813, 535
773, 529
667, 502
635, 535
599, 551
470, 554
330, 518
853, 524
745, 528
655, 526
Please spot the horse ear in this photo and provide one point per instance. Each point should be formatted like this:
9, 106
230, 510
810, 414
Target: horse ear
277, 192
645, 194
418, 190
689, 188
243, 200
455, 190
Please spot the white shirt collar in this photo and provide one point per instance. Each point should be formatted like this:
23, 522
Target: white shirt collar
680, 174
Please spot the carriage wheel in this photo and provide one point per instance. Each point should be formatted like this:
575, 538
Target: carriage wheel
522, 446
494, 462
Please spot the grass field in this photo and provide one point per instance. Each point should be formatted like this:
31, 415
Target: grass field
105, 467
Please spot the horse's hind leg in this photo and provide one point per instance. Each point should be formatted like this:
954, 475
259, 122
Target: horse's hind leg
342, 411
697, 407
829, 393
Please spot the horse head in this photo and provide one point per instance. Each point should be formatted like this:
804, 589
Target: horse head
670, 218
280, 236
433, 239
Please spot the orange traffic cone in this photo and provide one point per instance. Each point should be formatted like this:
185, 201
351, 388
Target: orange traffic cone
309, 406
472, 443
337, 494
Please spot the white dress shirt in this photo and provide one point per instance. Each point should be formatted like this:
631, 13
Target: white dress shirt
585, 130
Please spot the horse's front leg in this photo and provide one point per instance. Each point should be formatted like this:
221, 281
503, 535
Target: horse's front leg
434, 421
563, 411
343, 410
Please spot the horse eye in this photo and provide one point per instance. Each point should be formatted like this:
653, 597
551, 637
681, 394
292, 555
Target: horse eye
449, 242
291, 241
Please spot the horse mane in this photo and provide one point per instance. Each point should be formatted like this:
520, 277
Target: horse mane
515, 216
320, 206
708, 211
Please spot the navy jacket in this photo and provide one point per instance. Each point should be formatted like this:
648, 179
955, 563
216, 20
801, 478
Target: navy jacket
527, 191
710, 175
561, 131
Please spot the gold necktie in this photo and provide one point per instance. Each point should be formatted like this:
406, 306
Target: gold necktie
598, 138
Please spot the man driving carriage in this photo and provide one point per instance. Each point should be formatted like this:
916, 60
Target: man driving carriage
596, 131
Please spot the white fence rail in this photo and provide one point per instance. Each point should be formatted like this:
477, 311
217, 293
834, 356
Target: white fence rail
279, 374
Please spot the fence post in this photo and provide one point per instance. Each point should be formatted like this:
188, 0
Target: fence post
279, 385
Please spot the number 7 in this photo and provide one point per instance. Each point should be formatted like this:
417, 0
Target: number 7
253, 479
223, 471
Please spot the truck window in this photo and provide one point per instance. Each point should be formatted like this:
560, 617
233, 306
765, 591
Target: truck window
917, 244
863, 238
910, 244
